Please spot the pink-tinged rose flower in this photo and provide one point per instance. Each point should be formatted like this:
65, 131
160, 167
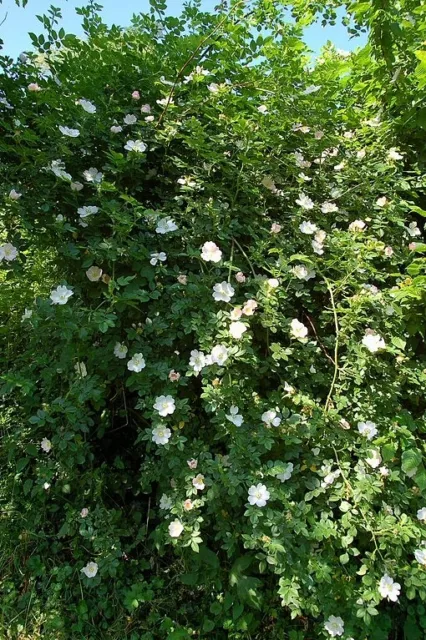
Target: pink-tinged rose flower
145, 108
275, 227
33, 86
182, 279
188, 505
136, 95
240, 277
412, 246
84, 512
388, 252
174, 376
192, 464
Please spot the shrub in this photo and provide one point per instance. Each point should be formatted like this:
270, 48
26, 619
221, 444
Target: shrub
213, 300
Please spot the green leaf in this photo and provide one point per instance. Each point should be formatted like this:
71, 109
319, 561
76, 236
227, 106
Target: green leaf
420, 478
124, 280
399, 343
410, 461
21, 464
31, 449
208, 625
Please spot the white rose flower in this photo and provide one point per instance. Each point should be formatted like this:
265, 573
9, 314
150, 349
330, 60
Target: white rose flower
61, 295
8, 252
234, 416
85, 212
420, 556
258, 495
136, 363
175, 528
273, 283
329, 207
384, 471
94, 273
120, 350
373, 341
71, 133
166, 503
161, 435
223, 291
197, 360
116, 128
421, 514
262, 109
145, 108
389, 589
300, 161
334, 626
357, 225
298, 329
368, 429
413, 230
157, 257
46, 445
271, 418
213, 87
286, 475
374, 459
14, 195
90, 570
76, 186
210, 252
93, 175
318, 247
382, 202
236, 329
88, 106
165, 225
308, 227
305, 202
249, 307
302, 272
198, 482
135, 145
393, 154
130, 119
219, 354
236, 313
84, 512
330, 477
165, 405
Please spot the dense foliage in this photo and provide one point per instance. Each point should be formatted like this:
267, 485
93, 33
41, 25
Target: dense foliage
213, 328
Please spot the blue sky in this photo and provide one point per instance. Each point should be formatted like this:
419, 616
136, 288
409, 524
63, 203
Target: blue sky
19, 22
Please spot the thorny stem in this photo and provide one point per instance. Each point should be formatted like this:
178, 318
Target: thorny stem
351, 491
336, 345
245, 255
231, 261
327, 355
192, 56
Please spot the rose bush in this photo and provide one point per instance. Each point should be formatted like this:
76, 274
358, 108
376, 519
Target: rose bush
213, 287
